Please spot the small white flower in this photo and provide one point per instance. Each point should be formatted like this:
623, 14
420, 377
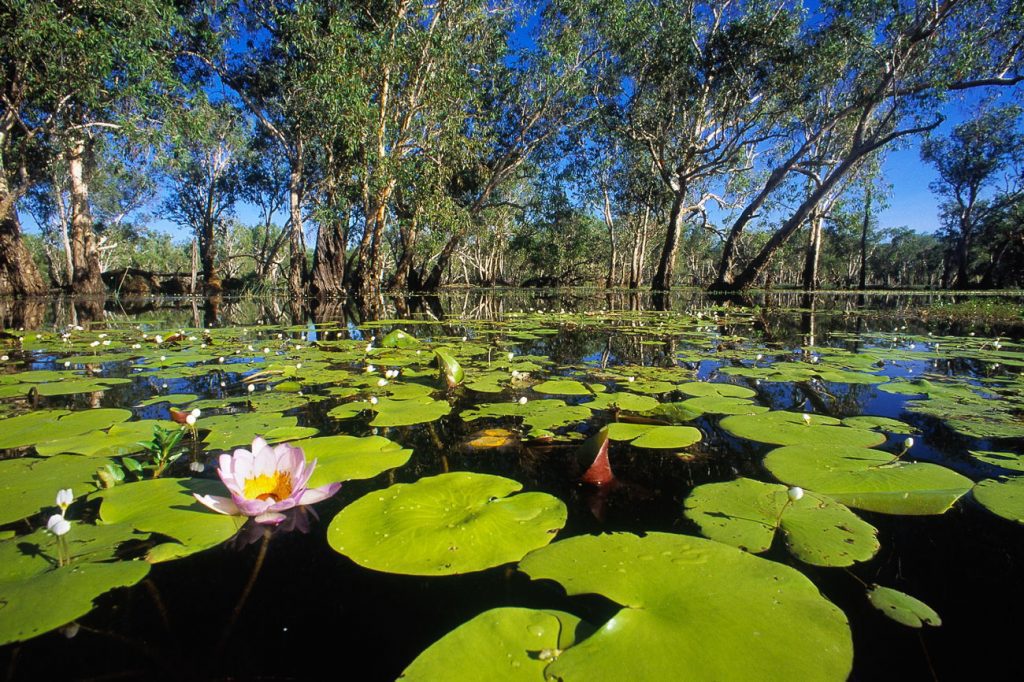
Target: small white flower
136, 346
106, 342
369, 347
266, 350
58, 525
373, 400
510, 356
67, 363
382, 382
94, 344
197, 467
523, 400
759, 357
250, 348
908, 443
64, 498
795, 493
158, 338
370, 369
464, 339
222, 384
79, 328
252, 387
4, 358
630, 379
221, 359
806, 418
196, 413
163, 358
298, 365
190, 420
192, 338
202, 345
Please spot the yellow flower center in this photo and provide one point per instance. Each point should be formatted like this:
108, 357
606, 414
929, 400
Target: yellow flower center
277, 486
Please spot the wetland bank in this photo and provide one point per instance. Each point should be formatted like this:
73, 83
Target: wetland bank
567, 484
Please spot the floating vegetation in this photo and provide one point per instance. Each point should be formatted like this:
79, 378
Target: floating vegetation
558, 446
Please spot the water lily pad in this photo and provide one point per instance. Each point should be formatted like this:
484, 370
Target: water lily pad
122, 439
630, 402
407, 412
500, 644
869, 479
707, 388
903, 608
347, 458
880, 424
1006, 460
746, 513
562, 387
44, 426
1002, 498
451, 370
489, 439
714, 404
790, 428
668, 438
30, 484
399, 339
538, 415
694, 609
443, 525
38, 597
232, 430
167, 506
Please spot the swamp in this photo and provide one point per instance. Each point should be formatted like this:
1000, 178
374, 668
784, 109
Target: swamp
534, 485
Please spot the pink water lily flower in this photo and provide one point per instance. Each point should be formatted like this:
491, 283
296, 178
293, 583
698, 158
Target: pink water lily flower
265, 482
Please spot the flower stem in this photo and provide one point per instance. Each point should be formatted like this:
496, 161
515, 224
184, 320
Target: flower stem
244, 597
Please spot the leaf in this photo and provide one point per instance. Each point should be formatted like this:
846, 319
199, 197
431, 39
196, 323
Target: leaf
500, 644
167, 506
880, 424
30, 484
451, 370
869, 479
903, 608
44, 426
1002, 498
562, 387
600, 471
444, 525
346, 458
790, 428
818, 530
693, 609
407, 412
1006, 460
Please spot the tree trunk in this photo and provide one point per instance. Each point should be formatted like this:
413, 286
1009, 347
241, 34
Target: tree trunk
297, 255
864, 241
85, 253
408, 232
328, 277
813, 253
666, 266
19, 275
610, 224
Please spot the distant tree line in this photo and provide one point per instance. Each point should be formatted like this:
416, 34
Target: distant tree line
412, 144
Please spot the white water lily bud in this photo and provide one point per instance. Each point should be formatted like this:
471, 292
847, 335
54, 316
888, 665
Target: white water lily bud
58, 525
136, 346
298, 365
223, 384
70, 630
759, 357
94, 344
266, 350
464, 339
630, 379
908, 443
64, 498
382, 382
221, 359
158, 338
806, 418
511, 356
67, 363
190, 420
369, 347
197, 467
163, 358
523, 400
370, 369
795, 493
196, 413
252, 387
106, 342
373, 400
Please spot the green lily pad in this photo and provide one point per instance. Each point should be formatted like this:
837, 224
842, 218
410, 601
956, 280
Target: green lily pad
538, 415
562, 387
668, 437
399, 339
903, 608
30, 484
172, 398
675, 412
444, 525
629, 402
234, 430
790, 428
500, 644
714, 404
869, 479
121, 439
1002, 498
693, 609
746, 513
37, 596
167, 506
44, 426
407, 412
880, 424
707, 388
347, 458
451, 370
1006, 460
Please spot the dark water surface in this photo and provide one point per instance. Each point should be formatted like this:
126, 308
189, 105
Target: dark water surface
313, 613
